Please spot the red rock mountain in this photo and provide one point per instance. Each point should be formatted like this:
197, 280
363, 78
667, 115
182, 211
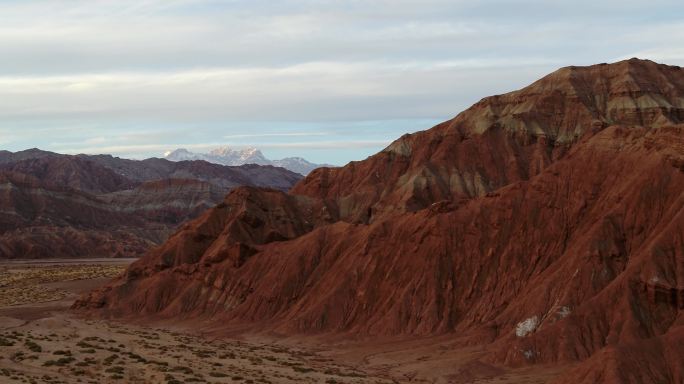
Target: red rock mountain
71, 172
42, 220
100, 206
546, 222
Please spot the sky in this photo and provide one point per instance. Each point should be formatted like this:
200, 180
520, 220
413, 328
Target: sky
329, 80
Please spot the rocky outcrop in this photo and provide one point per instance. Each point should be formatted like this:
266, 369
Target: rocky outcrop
546, 222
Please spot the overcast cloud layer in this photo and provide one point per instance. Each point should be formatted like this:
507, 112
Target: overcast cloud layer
329, 80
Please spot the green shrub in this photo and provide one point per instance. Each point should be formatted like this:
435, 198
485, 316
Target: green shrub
33, 346
217, 374
185, 370
302, 369
117, 369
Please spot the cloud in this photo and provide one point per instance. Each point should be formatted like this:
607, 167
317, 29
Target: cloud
305, 91
320, 145
283, 134
77, 70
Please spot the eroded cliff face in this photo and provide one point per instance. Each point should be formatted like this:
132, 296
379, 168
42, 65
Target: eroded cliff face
546, 222
501, 139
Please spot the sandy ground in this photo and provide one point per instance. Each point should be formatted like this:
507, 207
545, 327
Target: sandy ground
41, 342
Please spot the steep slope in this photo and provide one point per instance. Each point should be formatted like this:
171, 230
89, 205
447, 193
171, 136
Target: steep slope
545, 222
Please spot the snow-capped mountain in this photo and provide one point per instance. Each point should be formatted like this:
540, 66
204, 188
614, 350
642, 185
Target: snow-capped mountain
221, 155
230, 156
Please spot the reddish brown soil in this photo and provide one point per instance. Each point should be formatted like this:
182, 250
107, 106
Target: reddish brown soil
545, 225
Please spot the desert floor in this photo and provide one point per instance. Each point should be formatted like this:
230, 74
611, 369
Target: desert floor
42, 342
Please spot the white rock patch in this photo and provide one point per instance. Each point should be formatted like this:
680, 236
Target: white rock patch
526, 326
563, 312
529, 354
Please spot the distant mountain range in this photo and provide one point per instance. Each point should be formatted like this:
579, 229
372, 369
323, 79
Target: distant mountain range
54, 205
235, 157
